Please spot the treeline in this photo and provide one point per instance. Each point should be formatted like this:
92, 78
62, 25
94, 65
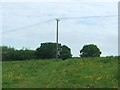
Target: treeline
45, 51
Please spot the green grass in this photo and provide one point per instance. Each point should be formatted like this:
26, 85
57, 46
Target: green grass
71, 73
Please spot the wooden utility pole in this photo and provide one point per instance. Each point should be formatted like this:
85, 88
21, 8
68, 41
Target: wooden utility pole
57, 40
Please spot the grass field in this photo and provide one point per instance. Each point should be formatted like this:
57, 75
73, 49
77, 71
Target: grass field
72, 73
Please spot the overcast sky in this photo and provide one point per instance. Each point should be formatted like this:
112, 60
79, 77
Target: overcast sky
73, 32
59, 0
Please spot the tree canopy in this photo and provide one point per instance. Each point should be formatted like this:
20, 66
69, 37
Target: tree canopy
90, 50
65, 52
48, 51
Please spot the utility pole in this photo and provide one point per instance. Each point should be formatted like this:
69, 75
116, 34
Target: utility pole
57, 40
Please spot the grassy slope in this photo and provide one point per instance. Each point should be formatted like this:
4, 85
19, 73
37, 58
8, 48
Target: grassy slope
79, 73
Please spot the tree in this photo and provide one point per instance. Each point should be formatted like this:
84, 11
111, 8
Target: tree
47, 50
90, 50
65, 52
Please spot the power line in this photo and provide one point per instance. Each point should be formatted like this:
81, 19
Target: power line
66, 18
105, 16
28, 26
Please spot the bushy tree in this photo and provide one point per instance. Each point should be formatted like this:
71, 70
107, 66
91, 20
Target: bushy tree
48, 51
65, 52
90, 50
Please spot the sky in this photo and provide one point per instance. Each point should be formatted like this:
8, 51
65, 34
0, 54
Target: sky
59, 0
28, 24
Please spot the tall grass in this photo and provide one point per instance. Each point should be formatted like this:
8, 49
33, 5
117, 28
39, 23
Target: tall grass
72, 73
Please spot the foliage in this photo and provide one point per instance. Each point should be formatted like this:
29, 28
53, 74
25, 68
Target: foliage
48, 51
65, 52
90, 50
9, 53
45, 51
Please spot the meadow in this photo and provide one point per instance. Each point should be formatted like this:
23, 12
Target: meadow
101, 72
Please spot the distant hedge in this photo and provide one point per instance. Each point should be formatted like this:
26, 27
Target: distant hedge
9, 54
